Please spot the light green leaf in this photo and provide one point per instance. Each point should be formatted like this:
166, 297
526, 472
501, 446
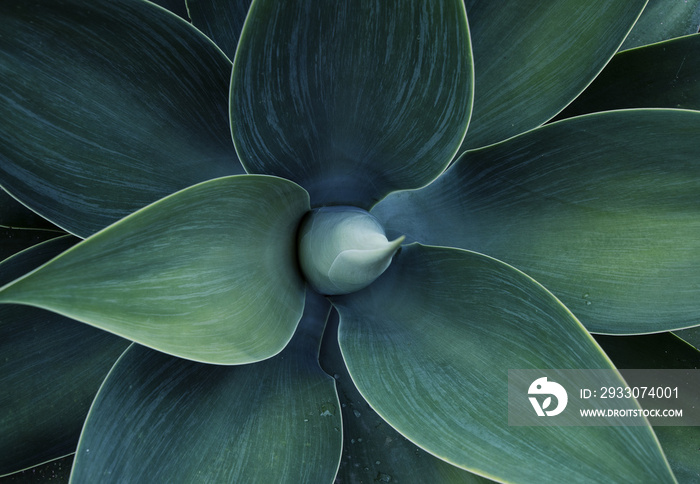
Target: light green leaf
601, 209
106, 107
221, 20
50, 370
372, 450
662, 351
532, 58
629, 82
364, 98
662, 20
208, 273
163, 419
429, 345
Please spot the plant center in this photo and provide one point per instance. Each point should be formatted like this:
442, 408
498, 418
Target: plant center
343, 249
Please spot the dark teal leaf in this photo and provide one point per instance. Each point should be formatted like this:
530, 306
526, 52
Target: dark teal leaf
208, 273
532, 58
106, 107
351, 100
662, 351
221, 20
629, 82
603, 210
172, 420
50, 370
372, 450
662, 20
429, 345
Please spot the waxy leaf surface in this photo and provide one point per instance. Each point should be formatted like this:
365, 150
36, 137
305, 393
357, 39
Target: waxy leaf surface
208, 273
532, 58
429, 345
106, 107
603, 210
663, 20
351, 100
372, 449
164, 419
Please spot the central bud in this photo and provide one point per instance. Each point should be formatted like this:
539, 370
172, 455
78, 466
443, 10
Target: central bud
343, 249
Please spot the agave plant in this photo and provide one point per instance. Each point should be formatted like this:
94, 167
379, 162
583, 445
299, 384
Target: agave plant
240, 187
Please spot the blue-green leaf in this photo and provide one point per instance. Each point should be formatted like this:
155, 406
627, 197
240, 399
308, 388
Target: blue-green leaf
603, 210
532, 58
662, 351
629, 82
164, 419
663, 20
106, 107
50, 370
208, 273
429, 346
351, 100
372, 450
221, 20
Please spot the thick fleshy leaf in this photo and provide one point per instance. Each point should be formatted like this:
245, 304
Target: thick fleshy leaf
372, 450
429, 346
221, 20
208, 273
20, 228
662, 351
365, 97
50, 370
663, 20
163, 419
532, 58
603, 210
629, 82
106, 107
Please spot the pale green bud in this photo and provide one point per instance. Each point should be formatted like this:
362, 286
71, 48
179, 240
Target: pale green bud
343, 249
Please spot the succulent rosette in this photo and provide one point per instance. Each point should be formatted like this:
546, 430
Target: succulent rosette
305, 240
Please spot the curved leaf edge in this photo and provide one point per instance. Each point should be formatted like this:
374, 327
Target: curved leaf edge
456, 152
557, 122
18, 474
150, 205
660, 42
191, 25
19, 254
476, 471
67, 314
92, 408
607, 61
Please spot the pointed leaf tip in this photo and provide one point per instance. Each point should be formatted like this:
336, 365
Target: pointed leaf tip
208, 274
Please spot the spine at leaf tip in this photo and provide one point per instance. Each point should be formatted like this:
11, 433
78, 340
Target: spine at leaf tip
343, 249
